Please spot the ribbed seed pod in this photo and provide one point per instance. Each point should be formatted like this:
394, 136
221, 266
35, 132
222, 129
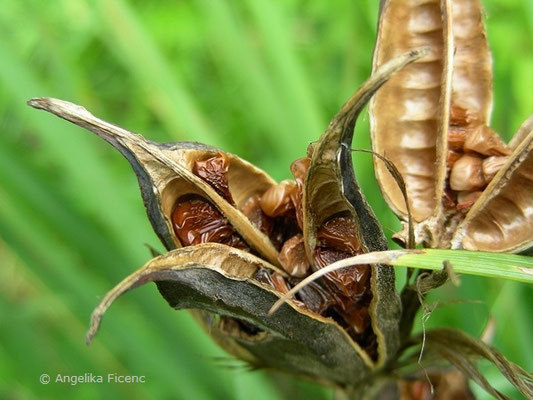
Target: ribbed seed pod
432, 121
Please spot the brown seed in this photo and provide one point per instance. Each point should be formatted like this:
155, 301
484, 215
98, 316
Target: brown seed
197, 221
299, 171
340, 233
485, 141
456, 137
293, 258
460, 116
315, 297
466, 199
492, 165
253, 211
467, 173
276, 201
214, 171
452, 157
352, 282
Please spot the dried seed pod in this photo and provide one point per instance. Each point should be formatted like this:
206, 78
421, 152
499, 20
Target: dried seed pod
165, 173
213, 277
331, 191
501, 219
426, 115
192, 187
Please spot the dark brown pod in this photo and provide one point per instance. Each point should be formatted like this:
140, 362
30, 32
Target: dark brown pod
230, 219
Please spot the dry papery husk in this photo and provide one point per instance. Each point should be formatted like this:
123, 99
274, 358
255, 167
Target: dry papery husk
446, 94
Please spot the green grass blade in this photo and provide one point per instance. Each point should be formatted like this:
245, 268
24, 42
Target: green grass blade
494, 265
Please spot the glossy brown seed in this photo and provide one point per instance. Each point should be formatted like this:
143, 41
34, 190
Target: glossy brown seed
292, 257
315, 297
214, 172
352, 282
197, 221
467, 173
340, 233
277, 201
253, 211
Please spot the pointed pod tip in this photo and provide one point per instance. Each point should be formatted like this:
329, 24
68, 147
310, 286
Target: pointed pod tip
36, 102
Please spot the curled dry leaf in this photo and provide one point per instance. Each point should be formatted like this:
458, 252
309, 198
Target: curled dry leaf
464, 352
432, 121
238, 241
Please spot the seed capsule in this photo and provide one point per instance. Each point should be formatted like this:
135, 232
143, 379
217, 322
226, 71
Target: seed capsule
206, 206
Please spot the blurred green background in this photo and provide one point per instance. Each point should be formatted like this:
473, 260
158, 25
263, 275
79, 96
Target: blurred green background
257, 78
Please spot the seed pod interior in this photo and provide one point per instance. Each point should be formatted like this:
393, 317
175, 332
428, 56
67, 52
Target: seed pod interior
338, 223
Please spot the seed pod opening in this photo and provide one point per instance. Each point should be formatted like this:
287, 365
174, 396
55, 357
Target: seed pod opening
339, 223
432, 119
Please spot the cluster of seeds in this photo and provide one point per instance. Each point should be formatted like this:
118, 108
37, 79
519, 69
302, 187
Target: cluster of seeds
475, 154
344, 295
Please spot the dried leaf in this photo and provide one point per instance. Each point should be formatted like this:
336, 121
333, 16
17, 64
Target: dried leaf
464, 351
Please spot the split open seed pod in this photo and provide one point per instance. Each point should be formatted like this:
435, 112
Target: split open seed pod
432, 121
234, 237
